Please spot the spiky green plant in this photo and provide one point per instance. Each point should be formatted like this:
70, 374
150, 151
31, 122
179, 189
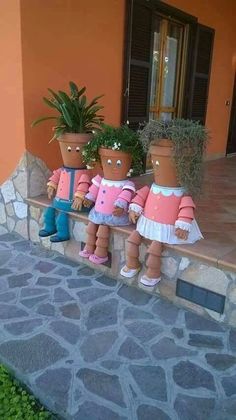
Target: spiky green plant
76, 114
189, 143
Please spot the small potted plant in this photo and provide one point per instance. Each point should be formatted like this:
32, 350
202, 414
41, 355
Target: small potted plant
183, 142
74, 125
165, 212
76, 120
120, 152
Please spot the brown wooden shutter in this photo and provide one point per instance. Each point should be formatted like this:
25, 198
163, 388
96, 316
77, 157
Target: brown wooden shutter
138, 64
201, 73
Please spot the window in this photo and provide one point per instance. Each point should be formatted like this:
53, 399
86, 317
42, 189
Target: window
167, 64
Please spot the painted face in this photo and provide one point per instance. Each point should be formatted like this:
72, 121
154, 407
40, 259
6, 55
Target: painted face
72, 154
73, 149
115, 166
113, 163
155, 163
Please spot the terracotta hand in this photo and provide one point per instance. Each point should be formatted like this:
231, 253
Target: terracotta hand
77, 203
181, 234
50, 192
133, 216
87, 202
118, 211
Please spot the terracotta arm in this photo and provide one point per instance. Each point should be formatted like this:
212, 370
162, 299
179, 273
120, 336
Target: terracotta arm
53, 183
126, 195
137, 204
185, 217
82, 189
91, 195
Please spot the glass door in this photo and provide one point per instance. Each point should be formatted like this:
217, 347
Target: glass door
167, 69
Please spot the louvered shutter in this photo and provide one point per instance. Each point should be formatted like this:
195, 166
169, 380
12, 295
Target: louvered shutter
139, 61
201, 73
231, 145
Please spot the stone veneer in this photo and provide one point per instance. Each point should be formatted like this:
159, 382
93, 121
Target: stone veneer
29, 180
174, 266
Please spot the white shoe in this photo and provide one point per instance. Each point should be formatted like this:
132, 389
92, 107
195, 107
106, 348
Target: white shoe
146, 281
129, 272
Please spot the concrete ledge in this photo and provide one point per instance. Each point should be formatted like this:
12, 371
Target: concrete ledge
207, 250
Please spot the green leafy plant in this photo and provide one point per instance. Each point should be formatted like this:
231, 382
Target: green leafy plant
189, 143
16, 403
116, 138
76, 114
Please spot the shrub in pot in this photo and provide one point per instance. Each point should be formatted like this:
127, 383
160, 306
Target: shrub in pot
165, 212
120, 152
75, 122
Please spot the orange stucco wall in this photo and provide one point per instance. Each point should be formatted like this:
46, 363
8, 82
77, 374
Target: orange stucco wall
11, 107
65, 40
219, 15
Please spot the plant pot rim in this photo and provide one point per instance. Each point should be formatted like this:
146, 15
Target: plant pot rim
164, 147
106, 151
162, 142
75, 137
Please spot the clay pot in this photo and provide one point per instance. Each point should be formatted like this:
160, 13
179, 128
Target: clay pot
97, 169
71, 145
163, 165
115, 164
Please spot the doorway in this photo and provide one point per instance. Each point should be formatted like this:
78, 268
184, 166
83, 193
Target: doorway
231, 144
168, 68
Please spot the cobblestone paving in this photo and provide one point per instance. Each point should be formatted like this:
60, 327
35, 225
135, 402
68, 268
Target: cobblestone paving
93, 349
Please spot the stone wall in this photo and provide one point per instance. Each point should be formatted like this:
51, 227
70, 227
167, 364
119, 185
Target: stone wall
28, 180
174, 266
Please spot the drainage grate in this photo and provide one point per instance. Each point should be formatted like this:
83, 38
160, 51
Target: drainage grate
201, 296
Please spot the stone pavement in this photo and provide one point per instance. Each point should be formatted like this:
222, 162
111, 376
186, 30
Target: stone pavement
94, 349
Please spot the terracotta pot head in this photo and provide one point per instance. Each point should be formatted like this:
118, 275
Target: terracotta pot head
71, 145
115, 164
163, 165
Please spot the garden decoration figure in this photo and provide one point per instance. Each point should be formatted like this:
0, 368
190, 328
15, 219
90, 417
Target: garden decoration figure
117, 149
74, 125
165, 212
68, 184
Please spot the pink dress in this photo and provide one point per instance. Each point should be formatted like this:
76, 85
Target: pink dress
107, 194
163, 209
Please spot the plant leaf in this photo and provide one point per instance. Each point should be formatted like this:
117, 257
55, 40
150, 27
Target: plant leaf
73, 88
66, 115
39, 120
55, 95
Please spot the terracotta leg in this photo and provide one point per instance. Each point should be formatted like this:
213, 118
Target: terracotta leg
133, 243
102, 241
154, 260
91, 237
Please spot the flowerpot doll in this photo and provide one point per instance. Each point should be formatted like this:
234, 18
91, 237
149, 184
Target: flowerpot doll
164, 214
111, 195
68, 184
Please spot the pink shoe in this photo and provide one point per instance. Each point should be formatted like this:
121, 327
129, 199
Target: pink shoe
84, 253
97, 260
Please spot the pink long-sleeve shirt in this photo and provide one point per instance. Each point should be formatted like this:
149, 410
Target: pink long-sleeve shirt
165, 204
106, 194
68, 181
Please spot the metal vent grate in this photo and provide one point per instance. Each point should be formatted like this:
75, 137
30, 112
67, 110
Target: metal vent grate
201, 296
